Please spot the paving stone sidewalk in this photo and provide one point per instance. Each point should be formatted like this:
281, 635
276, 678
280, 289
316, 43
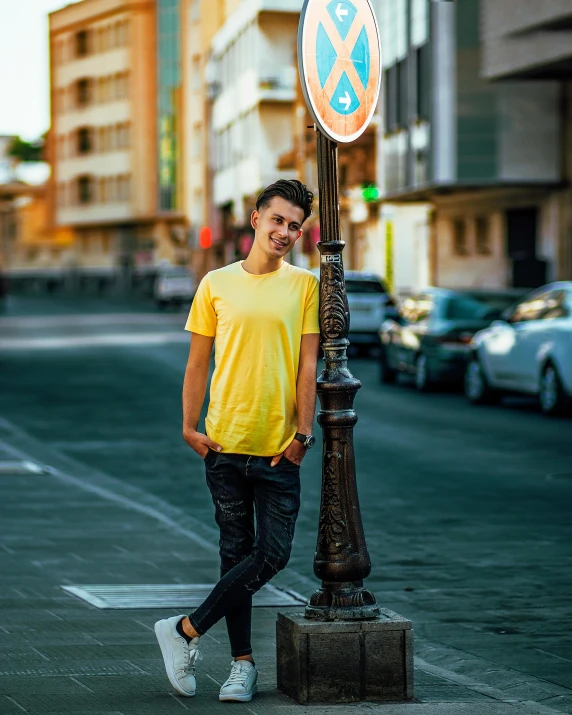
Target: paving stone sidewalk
60, 655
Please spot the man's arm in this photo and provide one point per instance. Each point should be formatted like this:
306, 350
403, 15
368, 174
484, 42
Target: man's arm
194, 390
305, 396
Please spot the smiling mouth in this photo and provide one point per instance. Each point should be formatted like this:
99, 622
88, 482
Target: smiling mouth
278, 243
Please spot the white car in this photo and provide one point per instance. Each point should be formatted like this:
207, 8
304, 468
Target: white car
174, 286
367, 299
528, 352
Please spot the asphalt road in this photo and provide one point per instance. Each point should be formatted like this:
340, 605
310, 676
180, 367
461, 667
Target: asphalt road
467, 511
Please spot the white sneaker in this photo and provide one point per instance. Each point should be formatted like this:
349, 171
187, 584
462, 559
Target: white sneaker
179, 656
241, 683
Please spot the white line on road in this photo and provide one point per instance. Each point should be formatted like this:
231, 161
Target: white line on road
85, 341
51, 321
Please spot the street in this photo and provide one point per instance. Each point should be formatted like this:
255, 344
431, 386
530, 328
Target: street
466, 510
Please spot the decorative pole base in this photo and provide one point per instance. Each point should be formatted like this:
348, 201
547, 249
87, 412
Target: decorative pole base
342, 602
378, 659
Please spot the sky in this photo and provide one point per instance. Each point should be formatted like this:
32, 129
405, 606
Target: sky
24, 66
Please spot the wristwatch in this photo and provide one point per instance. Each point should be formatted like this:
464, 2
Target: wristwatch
308, 440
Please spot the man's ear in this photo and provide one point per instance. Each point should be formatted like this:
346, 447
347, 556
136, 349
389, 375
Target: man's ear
254, 219
300, 232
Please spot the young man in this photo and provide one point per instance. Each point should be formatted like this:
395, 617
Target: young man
262, 315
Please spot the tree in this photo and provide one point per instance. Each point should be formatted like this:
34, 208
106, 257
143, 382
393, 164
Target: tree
23, 152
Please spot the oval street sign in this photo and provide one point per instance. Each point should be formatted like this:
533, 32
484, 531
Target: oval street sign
339, 58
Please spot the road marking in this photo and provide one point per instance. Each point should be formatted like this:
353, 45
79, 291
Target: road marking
44, 321
156, 508
84, 341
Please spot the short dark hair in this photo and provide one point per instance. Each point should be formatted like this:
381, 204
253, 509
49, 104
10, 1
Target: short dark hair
292, 190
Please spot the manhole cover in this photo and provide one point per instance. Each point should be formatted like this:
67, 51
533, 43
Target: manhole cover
19, 467
183, 596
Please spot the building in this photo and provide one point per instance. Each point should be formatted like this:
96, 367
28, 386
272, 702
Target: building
201, 21
252, 78
531, 43
115, 134
481, 159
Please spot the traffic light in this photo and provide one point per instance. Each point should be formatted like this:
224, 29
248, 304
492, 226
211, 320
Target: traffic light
370, 193
205, 237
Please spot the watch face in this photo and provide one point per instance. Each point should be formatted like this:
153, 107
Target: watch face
310, 441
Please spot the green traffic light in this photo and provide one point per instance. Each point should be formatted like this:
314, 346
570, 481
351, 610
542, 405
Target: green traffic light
370, 193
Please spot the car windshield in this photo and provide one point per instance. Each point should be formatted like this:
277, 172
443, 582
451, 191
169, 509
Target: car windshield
181, 273
472, 308
364, 286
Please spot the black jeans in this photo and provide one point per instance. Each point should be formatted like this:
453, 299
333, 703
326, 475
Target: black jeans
242, 486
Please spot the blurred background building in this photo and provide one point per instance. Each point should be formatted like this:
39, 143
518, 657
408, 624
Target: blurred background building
169, 116
484, 157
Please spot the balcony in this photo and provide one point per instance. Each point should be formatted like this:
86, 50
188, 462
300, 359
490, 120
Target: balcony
269, 83
526, 39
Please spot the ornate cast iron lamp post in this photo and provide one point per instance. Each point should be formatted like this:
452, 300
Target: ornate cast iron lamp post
341, 560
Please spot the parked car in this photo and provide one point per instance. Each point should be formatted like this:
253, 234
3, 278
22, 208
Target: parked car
368, 300
174, 286
529, 351
430, 336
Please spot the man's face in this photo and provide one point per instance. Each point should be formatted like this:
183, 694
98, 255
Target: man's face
277, 227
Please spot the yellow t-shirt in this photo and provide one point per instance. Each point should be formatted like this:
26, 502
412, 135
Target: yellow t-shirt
257, 322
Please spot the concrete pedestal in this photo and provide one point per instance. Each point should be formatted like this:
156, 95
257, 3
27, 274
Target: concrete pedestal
345, 661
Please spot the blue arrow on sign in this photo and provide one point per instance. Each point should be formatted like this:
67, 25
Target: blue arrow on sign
343, 14
344, 99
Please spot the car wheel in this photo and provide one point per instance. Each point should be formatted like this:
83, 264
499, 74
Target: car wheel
553, 399
477, 388
422, 377
387, 374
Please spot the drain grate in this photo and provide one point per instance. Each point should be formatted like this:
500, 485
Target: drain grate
145, 595
14, 468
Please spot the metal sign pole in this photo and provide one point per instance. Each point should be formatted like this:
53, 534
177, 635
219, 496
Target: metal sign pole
340, 70
341, 560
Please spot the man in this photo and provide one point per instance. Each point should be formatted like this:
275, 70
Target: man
262, 315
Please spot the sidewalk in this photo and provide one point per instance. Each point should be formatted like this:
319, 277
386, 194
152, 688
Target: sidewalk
59, 655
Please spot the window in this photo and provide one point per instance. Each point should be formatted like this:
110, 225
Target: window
556, 305
83, 92
84, 142
423, 79
402, 103
84, 189
391, 99
364, 286
81, 43
482, 236
460, 245
418, 309
467, 308
532, 308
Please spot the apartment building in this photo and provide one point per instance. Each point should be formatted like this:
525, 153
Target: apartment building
531, 43
115, 74
201, 21
477, 157
252, 78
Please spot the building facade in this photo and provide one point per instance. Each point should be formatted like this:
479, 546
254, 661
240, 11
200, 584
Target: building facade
531, 43
252, 78
483, 158
115, 70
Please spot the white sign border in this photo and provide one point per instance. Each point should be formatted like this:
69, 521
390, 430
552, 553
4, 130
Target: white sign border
303, 81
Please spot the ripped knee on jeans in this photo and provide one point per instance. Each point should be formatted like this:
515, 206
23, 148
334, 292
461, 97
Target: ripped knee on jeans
269, 566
